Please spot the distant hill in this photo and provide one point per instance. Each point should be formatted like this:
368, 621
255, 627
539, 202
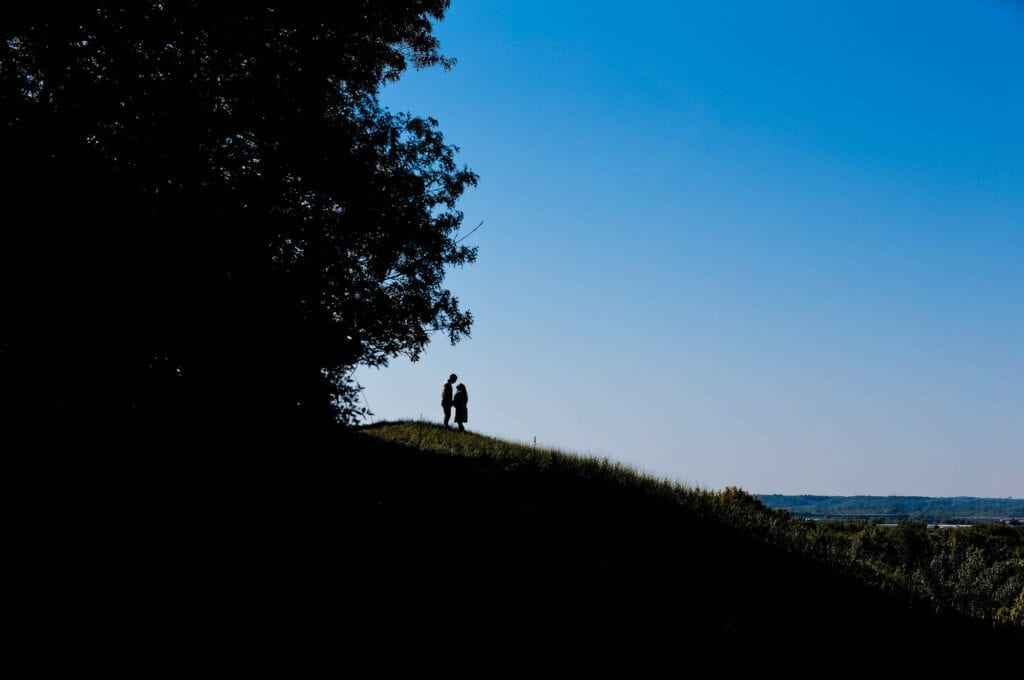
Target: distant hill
922, 508
414, 531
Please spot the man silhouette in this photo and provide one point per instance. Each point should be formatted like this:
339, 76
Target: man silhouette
446, 398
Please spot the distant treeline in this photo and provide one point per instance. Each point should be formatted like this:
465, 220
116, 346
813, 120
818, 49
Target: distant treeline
921, 508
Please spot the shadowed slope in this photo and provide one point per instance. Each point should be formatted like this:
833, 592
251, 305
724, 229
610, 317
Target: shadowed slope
426, 532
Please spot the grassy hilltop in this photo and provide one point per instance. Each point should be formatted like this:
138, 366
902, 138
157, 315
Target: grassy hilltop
417, 524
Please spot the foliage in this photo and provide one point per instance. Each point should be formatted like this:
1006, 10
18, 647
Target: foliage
1013, 615
211, 219
974, 569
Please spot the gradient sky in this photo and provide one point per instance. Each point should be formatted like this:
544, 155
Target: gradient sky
771, 245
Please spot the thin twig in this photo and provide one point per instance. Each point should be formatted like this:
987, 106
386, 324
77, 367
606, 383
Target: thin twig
470, 233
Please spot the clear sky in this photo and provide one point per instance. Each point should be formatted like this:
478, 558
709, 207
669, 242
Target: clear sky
771, 245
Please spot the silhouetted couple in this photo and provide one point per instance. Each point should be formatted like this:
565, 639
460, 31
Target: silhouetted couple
459, 400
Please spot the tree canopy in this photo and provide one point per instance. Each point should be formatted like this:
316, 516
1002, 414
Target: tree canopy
211, 219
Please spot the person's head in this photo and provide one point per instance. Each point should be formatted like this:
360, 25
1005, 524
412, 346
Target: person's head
461, 388
452, 378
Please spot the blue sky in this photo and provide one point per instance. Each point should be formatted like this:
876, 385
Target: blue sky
772, 245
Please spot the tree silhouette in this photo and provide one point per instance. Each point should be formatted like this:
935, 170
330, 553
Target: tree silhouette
210, 218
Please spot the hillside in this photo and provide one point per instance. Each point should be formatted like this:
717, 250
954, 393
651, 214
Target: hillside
423, 529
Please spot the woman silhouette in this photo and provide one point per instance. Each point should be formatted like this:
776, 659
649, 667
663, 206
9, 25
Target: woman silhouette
461, 409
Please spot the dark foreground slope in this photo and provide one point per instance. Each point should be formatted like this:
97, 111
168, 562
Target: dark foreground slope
417, 535
408, 545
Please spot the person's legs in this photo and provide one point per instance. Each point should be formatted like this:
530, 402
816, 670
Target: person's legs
447, 414
461, 428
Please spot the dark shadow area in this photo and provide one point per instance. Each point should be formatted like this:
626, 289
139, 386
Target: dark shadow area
391, 555
429, 549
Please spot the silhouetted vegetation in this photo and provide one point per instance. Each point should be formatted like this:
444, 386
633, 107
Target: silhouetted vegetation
892, 508
209, 219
